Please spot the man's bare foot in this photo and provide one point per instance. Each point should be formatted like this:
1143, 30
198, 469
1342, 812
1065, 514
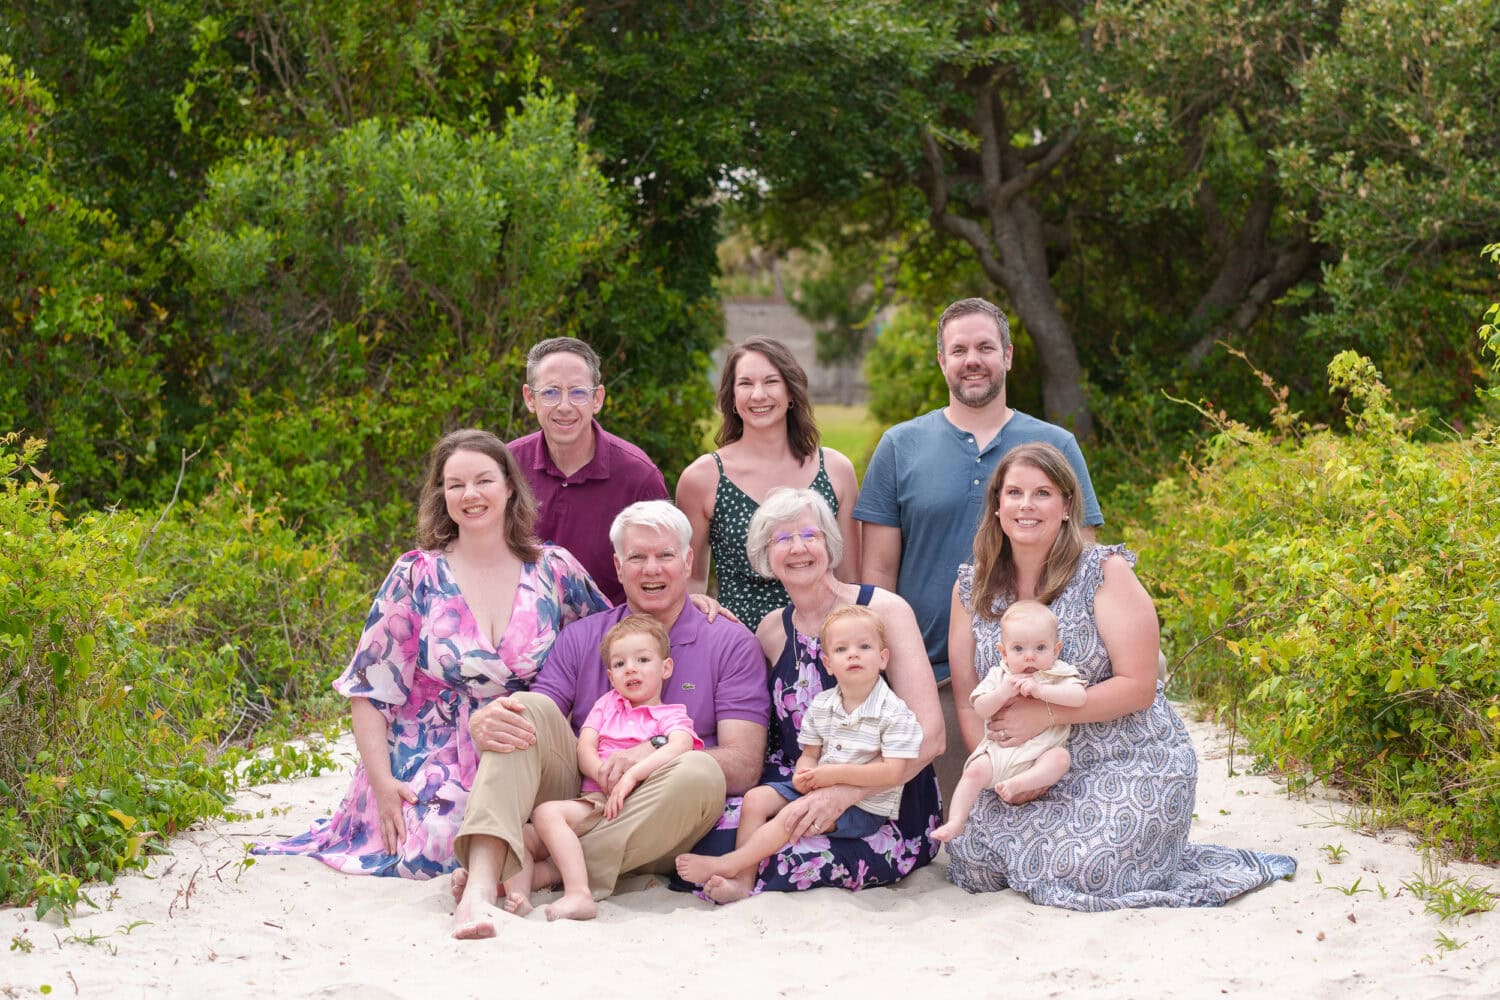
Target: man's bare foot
471, 920
573, 908
948, 830
516, 902
722, 889
699, 868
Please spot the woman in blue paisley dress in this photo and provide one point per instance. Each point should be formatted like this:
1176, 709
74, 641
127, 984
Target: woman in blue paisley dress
795, 538
1113, 832
468, 616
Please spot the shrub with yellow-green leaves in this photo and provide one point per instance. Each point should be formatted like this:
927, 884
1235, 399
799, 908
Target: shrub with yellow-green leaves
1340, 593
133, 648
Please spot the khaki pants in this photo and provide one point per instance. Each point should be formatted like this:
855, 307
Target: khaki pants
667, 813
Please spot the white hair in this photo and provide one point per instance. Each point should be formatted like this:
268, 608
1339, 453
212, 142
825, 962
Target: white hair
782, 505
658, 514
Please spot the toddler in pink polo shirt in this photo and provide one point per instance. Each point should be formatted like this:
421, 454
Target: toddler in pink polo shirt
628, 716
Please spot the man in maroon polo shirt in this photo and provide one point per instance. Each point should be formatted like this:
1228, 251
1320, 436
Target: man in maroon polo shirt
581, 474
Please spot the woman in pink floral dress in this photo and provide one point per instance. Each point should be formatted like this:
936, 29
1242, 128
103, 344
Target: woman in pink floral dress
465, 618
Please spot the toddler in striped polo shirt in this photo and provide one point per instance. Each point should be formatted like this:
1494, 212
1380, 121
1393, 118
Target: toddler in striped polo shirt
857, 733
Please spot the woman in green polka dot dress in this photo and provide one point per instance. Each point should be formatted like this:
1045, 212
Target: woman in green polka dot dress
768, 438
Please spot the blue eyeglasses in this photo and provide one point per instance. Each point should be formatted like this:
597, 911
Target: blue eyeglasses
808, 536
578, 395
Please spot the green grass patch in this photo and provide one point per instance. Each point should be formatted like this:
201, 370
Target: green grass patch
849, 429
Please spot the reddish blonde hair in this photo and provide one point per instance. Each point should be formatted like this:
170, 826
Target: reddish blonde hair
636, 625
856, 611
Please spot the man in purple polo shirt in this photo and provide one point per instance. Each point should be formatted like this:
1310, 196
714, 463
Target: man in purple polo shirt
581, 475
529, 740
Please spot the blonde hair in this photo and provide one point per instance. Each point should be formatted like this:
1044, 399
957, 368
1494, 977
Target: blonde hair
1033, 611
636, 625
994, 560
860, 613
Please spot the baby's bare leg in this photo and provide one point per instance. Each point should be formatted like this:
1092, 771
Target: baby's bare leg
520, 885
976, 778
761, 834
1047, 771
556, 824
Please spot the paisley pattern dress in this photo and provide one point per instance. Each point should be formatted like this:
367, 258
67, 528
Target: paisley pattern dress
742, 590
1113, 832
425, 664
898, 848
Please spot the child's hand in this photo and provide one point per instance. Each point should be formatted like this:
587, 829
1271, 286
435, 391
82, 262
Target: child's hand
1016, 684
817, 777
1028, 687
802, 780
619, 793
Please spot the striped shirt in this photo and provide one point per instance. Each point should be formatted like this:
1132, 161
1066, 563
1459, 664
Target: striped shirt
882, 726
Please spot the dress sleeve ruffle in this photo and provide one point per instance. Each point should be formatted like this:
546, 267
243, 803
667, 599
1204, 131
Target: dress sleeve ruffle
966, 585
385, 662
1091, 572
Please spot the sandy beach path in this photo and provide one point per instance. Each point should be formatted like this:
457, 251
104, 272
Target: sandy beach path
200, 924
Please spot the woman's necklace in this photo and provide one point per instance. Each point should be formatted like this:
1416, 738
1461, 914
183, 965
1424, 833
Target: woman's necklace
815, 613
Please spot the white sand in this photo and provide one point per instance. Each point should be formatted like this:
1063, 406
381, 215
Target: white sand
197, 925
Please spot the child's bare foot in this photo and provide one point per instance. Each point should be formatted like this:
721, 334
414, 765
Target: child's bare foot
471, 920
949, 830
456, 885
517, 902
1019, 788
699, 868
580, 907
723, 889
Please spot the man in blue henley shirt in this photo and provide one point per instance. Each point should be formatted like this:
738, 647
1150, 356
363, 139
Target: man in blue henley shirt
923, 492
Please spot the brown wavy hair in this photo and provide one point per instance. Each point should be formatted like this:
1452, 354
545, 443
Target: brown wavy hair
436, 530
994, 561
801, 428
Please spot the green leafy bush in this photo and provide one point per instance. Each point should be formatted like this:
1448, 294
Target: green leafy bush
133, 648
901, 369
1340, 593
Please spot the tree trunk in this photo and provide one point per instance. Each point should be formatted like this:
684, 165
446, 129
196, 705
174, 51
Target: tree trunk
1011, 242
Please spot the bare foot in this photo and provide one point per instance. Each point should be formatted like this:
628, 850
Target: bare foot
456, 885
517, 902
948, 831
699, 868
573, 908
727, 890
1021, 788
471, 920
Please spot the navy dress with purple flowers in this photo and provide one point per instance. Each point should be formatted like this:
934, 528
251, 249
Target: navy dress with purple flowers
898, 848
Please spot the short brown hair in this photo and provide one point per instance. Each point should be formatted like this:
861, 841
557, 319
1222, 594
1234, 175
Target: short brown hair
970, 307
860, 612
636, 625
564, 345
801, 429
436, 530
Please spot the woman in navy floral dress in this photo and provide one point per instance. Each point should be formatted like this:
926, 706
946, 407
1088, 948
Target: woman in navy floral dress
795, 538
